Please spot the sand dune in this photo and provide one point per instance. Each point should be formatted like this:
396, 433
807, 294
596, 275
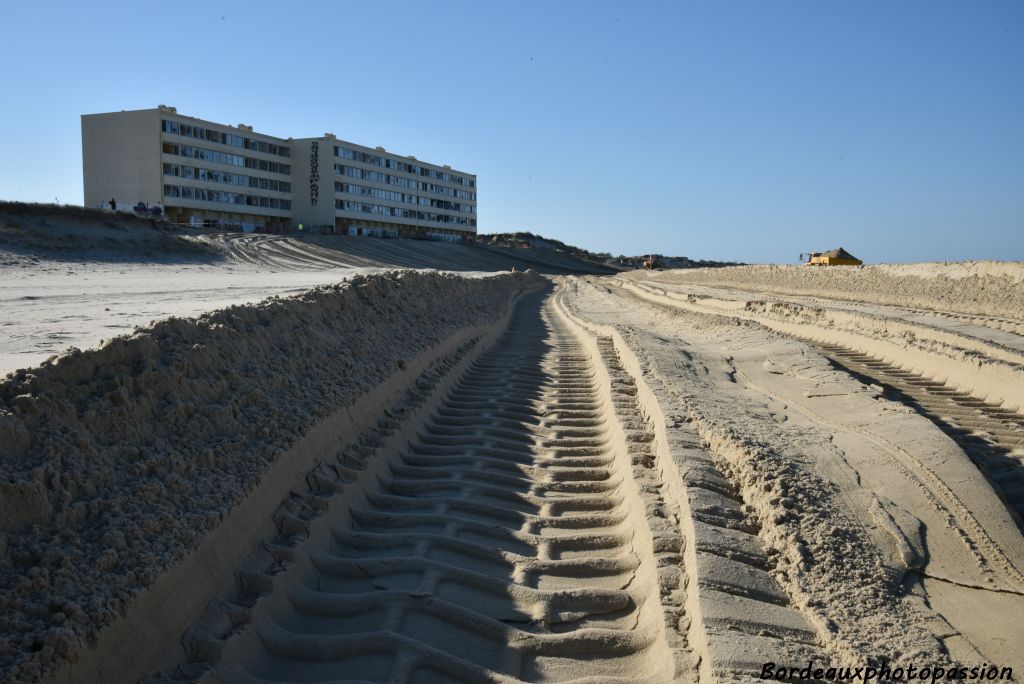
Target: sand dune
986, 288
419, 476
73, 277
119, 462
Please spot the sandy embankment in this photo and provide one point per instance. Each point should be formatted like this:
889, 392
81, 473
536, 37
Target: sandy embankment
970, 337
71, 277
991, 288
881, 534
118, 462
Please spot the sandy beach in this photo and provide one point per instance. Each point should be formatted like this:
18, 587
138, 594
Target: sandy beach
260, 458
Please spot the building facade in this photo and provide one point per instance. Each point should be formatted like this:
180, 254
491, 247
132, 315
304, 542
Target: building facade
214, 175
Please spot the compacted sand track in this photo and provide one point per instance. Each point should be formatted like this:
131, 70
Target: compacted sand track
506, 544
899, 549
992, 436
611, 481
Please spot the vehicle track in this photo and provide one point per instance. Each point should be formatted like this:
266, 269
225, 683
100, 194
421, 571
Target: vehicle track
958, 413
505, 544
1003, 472
743, 617
992, 436
1012, 325
999, 336
747, 618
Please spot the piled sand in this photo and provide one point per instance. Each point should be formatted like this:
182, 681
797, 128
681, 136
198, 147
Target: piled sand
116, 462
981, 287
880, 531
956, 270
74, 277
31, 234
38, 235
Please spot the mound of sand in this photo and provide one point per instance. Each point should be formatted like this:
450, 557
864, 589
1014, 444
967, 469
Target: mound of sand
30, 233
71, 276
980, 287
116, 462
955, 270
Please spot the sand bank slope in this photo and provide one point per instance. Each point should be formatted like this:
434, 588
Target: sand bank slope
73, 277
880, 531
501, 539
338, 251
116, 462
34, 235
981, 287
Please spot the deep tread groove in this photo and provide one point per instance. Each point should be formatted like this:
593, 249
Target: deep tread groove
499, 546
993, 437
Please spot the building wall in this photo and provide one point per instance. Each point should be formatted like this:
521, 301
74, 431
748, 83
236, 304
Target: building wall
207, 172
313, 186
369, 181
215, 172
121, 157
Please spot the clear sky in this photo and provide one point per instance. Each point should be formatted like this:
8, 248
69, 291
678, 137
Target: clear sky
744, 131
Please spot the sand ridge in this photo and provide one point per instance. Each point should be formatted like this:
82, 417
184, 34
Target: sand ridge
668, 476
820, 434
116, 461
988, 288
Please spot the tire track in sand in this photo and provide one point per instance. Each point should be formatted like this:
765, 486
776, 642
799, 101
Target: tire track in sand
743, 618
988, 554
747, 619
504, 545
992, 436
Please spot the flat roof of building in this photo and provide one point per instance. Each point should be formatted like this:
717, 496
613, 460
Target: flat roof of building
249, 129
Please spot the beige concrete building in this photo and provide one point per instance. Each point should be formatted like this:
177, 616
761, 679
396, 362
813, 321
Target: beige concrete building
203, 173
357, 190
215, 175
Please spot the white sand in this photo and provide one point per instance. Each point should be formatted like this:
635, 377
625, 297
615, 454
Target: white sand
654, 477
116, 462
46, 309
861, 499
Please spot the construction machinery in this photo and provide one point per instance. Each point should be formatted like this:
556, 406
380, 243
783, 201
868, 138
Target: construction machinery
835, 257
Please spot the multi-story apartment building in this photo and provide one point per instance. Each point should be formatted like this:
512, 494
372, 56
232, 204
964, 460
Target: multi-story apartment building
202, 173
369, 191
211, 174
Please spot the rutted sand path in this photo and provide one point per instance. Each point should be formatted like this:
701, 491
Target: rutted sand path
612, 483
874, 517
992, 436
507, 543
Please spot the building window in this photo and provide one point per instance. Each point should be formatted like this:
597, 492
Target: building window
222, 138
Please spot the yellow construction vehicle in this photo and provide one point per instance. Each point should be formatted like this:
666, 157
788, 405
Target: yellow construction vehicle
835, 257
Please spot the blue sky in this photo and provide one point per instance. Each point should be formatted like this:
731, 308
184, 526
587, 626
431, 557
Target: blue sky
746, 131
